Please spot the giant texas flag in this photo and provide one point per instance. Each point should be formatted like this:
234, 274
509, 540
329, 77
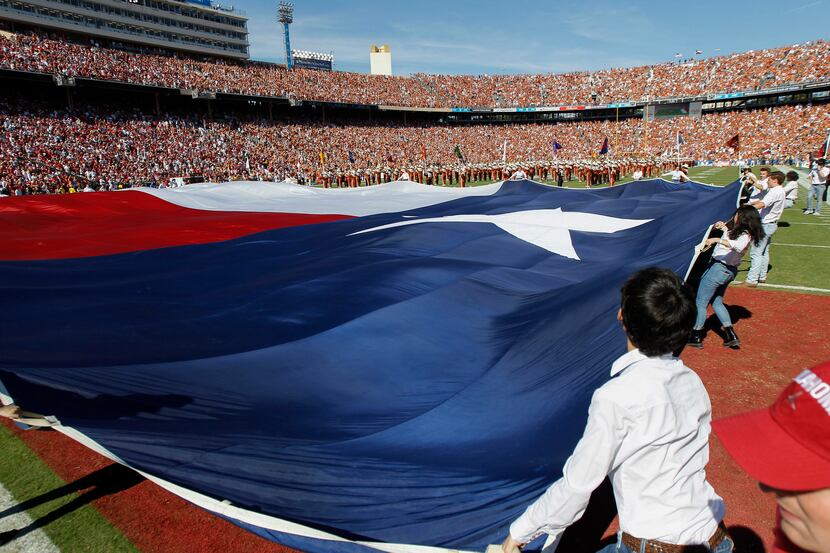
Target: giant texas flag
399, 367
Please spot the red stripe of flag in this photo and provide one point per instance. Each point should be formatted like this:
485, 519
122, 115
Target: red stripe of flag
105, 223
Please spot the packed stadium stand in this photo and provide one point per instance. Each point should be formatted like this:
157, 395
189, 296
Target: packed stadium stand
748, 71
50, 149
79, 115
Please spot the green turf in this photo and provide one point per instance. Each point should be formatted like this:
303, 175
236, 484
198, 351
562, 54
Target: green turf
792, 265
81, 529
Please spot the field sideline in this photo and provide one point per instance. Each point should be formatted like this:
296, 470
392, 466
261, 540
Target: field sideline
63, 497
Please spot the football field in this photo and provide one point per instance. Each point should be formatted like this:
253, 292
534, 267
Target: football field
56, 495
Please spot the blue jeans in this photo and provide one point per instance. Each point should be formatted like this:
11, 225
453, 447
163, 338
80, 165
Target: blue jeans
759, 255
712, 287
816, 190
725, 546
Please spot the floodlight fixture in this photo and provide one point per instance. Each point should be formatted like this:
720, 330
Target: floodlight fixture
286, 13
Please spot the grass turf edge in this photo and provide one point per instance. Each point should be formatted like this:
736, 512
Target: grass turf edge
67, 519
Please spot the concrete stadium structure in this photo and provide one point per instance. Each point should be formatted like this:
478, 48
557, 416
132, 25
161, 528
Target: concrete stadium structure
197, 27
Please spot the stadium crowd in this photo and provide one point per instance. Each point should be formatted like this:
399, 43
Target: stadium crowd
60, 151
751, 70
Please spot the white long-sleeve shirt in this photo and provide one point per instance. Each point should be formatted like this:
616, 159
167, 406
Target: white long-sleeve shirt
791, 190
756, 192
648, 429
734, 252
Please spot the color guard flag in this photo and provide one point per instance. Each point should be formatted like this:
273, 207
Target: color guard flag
604, 148
825, 147
351, 156
336, 370
734, 142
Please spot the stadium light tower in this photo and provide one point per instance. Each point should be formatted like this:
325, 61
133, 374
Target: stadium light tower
286, 17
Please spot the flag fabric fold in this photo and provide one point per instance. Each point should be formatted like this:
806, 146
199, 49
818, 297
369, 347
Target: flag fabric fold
336, 370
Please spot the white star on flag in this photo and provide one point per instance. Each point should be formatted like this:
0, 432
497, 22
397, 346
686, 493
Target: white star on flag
547, 228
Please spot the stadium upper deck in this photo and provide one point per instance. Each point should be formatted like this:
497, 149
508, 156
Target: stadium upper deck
198, 28
757, 70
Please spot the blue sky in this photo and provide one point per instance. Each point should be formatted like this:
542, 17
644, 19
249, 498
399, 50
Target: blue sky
524, 36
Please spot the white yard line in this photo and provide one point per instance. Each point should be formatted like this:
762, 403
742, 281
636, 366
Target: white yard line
799, 245
787, 287
35, 541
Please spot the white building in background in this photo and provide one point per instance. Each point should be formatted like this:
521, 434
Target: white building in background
192, 26
380, 60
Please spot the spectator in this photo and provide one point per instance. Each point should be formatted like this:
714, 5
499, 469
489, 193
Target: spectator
47, 150
787, 449
736, 72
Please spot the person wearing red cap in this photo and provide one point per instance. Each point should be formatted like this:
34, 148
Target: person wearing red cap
786, 447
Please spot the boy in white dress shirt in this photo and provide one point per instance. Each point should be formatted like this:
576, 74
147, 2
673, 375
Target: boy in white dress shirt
648, 430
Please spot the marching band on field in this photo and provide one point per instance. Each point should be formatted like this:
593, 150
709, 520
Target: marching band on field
594, 172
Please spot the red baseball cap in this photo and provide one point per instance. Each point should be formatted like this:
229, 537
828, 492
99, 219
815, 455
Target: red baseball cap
786, 446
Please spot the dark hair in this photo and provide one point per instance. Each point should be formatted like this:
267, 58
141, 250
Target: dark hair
792, 175
820, 161
778, 176
749, 220
658, 311
764, 169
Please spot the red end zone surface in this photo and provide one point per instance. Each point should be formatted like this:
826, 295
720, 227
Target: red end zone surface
781, 334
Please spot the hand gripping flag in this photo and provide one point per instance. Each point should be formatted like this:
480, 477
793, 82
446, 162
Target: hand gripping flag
338, 370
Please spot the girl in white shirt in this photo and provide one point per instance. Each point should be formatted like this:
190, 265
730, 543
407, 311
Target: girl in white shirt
745, 227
